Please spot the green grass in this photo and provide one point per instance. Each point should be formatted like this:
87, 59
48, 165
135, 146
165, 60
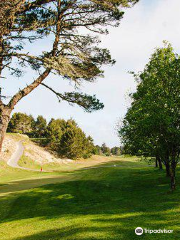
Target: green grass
84, 204
27, 162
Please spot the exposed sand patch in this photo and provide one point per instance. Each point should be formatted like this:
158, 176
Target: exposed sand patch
40, 155
9, 147
33, 151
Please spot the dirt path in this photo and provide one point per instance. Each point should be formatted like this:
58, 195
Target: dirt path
13, 161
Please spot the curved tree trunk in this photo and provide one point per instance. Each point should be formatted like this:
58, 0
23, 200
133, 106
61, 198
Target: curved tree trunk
4, 120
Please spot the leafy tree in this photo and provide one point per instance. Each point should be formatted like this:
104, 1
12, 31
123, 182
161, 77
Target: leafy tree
40, 127
63, 137
54, 132
105, 150
97, 150
74, 143
152, 124
116, 151
21, 123
74, 55
68, 140
88, 148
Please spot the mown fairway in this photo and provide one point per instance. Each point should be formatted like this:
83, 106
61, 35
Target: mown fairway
96, 203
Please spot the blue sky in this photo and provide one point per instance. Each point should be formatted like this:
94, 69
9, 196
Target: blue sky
143, 28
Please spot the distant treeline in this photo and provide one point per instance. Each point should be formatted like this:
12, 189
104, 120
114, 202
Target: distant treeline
65, 138
104, 150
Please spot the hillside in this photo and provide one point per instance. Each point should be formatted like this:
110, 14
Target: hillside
32, 151
35, 157
10, 145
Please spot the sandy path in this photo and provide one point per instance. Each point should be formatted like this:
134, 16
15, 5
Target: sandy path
13, 161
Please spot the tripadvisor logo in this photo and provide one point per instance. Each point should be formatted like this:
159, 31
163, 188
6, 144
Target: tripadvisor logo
139, 231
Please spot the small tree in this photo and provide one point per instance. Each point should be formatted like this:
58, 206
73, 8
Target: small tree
74, 55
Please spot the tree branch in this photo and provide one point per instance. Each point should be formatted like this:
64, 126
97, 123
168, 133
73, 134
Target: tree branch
22, 93
88, 103
33, 5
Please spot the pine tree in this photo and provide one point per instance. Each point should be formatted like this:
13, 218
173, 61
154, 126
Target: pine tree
40, 127
74, 54
55, 131
21, 123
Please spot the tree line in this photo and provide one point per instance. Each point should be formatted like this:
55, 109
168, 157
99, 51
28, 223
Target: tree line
65, 138
151, 127
107, 151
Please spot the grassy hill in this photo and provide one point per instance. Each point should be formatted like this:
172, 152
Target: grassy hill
76, 201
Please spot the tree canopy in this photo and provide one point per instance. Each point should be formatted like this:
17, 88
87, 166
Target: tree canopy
64, 138
74, 55
72, 28
151, 127
21, 123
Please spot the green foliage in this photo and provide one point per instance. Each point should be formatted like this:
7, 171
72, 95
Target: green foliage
105, 150
152, 124
74, 143
74, 53
63, 137
87, 102
21, 123
54, 132
97, 150
40, 127
68, 140
116, 151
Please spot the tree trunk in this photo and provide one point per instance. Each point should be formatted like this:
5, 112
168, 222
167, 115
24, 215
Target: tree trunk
173, 176
156, 162
168, 174
173, 181
4, 120
160, 163
173, 170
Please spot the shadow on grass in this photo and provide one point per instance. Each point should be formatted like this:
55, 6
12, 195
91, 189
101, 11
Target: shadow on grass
58, 176
77, 233
115, 201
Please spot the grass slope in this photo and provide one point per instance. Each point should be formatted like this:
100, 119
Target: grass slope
93, 203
